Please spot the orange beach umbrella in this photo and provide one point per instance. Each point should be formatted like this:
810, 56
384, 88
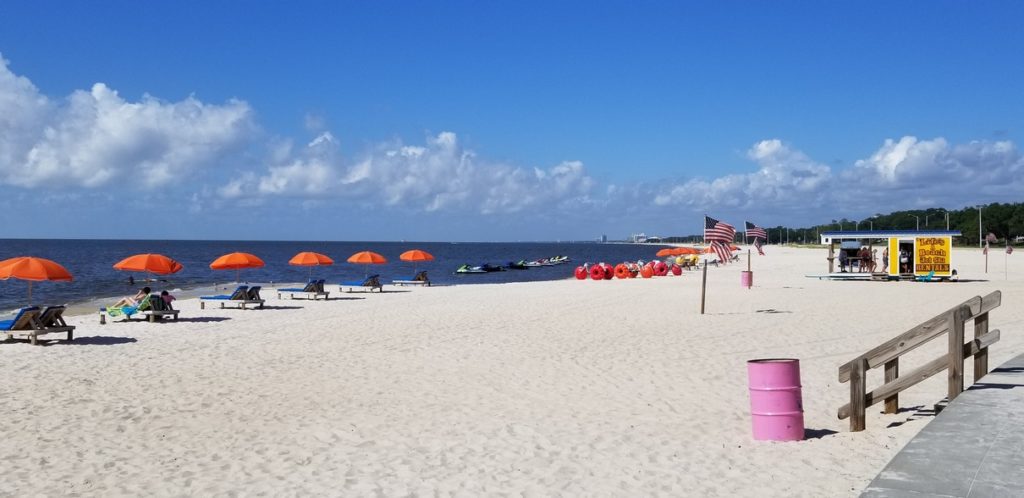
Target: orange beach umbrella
415, 256
680, 251
236, 261
367, 258
33, 269
310, 259
151, 263
668, 251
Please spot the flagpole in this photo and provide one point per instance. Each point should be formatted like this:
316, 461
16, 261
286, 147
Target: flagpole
703, 286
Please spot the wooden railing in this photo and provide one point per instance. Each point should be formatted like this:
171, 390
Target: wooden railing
951, 322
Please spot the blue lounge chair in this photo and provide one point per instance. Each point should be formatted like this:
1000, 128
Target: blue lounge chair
418, 279
21, 321
33, 323
314, 289
242, 296
369, 283
926, 278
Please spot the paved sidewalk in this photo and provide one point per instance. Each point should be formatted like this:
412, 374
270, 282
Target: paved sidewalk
974, 448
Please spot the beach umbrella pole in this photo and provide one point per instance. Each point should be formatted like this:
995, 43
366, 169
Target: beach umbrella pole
30, 293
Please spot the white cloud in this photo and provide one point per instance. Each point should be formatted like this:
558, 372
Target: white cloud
935, 169
95, 138
786, 177
439, 175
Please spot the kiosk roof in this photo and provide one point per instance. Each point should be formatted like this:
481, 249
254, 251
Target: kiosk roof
884, 234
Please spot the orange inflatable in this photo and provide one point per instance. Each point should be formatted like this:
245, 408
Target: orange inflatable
597, 272
621, 271
581, 273
647, 271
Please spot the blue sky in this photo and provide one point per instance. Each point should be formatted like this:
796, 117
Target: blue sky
499, 121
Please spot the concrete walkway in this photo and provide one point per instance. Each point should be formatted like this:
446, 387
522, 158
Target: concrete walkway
973, 448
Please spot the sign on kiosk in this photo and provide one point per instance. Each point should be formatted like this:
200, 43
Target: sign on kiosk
932, 254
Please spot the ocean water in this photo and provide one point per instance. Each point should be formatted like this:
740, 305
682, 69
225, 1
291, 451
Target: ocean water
91, 263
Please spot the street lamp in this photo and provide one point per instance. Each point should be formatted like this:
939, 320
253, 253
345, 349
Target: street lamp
918, 218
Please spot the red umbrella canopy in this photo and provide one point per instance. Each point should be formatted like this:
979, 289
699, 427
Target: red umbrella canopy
152, 263
416, 255
665, 252
367, 258
236, 261
33, 269
310, 259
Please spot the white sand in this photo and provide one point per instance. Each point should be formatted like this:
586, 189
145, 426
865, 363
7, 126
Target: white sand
615, 388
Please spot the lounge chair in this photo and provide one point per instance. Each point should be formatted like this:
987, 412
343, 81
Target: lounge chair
21, 321
926, 278
240, 296
314, 289
371, 282
33, 323
125, 311
51, 321
159, 308
418, 279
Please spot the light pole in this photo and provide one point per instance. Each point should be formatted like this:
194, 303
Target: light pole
947, 218
871, 223
918, 218
979, 225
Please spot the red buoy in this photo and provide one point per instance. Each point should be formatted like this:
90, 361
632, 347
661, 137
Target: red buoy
660, 269
677, 270
609, 272
597, 272
581, 273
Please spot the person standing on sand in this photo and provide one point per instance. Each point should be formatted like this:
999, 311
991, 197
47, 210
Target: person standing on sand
842, 261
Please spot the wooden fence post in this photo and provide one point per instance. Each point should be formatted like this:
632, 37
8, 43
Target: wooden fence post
892, 372
858, 389
956, 351
981, 357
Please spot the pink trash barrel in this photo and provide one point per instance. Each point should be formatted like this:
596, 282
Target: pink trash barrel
776, 404
747, 279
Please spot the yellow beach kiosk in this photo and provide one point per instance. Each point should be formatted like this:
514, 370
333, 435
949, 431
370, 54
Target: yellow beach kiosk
901, 253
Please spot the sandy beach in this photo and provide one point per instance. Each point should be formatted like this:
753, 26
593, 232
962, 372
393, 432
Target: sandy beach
562, 388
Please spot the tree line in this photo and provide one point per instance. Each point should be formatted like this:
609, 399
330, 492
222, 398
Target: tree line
1004, 220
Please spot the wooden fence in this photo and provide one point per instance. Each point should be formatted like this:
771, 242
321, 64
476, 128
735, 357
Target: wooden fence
951, 322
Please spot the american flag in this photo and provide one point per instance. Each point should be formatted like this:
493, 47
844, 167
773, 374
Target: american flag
756, 231
759, 234
718, 231
720, 235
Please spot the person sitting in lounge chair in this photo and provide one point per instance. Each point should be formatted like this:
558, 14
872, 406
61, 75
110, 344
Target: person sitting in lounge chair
132, 300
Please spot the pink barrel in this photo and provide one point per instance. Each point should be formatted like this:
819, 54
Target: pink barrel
747, 279
776, 405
